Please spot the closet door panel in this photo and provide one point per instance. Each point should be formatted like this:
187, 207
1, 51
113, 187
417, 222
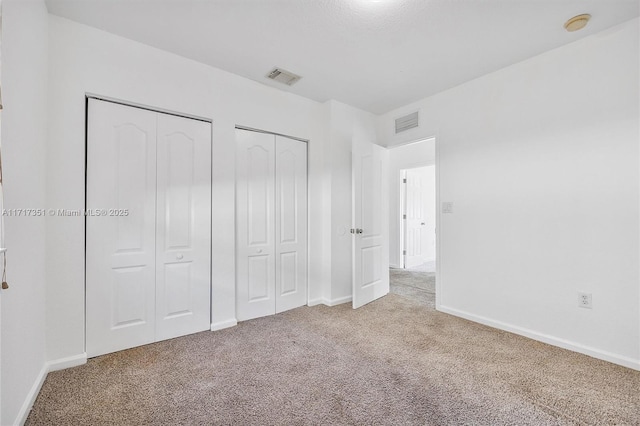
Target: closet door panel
255, 227
291, 223
120, 253
183, 226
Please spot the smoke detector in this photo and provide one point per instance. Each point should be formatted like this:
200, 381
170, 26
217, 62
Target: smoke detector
283, 76
577, 22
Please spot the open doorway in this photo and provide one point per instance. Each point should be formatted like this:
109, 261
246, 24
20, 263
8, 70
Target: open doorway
418, 222
412, 224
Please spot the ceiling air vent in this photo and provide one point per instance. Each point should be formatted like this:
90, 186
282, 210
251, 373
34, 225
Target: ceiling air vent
283, 76
407, 122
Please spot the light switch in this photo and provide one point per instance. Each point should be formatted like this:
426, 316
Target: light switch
447, 207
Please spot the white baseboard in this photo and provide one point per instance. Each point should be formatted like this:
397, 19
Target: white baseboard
329, 302
338, 301
49, 366
314, 302
31, 396
224, 324
68, 362
545, 338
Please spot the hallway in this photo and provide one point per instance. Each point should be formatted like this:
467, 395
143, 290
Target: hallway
417, 284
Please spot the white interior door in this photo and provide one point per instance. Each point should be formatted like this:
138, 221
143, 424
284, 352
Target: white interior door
255, 205
291, 223
370, 223
415, 238
120, 251
183, 244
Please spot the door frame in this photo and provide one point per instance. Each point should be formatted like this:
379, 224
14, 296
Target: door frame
89, 95
235, 183
436, 141
402, 199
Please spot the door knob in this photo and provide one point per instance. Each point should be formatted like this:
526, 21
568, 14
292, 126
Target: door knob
259, 250
422, 224
179, 256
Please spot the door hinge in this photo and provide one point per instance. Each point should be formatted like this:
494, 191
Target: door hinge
404, 180
404, 252
404, 216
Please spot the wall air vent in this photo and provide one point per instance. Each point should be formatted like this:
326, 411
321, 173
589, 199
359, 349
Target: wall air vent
283, 76
407, 122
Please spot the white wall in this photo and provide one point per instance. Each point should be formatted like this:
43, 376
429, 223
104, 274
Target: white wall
83, 59
422, 153
541, 162
24, 127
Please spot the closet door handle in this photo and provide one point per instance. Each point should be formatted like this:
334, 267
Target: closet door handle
179, 256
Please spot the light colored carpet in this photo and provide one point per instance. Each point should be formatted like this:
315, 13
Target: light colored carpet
415, 284
392, 362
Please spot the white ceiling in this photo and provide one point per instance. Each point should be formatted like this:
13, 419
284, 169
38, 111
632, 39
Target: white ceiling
375, 55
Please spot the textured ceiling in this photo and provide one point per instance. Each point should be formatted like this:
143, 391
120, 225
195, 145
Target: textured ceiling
375, 55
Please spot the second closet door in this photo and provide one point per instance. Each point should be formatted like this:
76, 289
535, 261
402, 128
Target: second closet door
271, 224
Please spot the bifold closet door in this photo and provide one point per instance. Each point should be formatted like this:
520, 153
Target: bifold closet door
183, 231
148, 258
120, 247
291, 224
255, 205
271, 212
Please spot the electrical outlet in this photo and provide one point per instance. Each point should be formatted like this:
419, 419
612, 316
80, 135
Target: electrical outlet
584, 300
